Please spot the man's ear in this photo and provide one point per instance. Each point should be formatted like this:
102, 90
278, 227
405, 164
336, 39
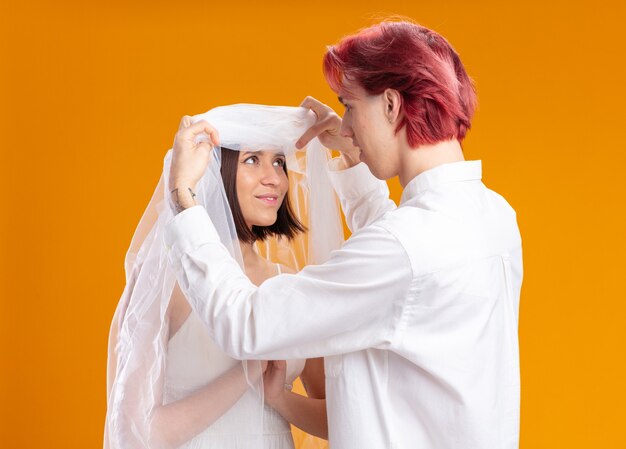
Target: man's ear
393, 104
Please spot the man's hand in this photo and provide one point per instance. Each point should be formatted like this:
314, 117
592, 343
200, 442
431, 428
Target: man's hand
327, 129
189, 160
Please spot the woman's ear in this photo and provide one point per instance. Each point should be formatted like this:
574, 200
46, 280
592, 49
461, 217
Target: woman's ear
393, 103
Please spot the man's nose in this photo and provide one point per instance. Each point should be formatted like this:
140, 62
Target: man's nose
345, 130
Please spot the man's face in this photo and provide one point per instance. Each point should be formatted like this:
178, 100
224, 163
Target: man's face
365, 121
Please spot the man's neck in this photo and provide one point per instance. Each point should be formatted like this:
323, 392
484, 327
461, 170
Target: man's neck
414, 161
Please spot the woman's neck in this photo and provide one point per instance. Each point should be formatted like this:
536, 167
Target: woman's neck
257, 268
249, 255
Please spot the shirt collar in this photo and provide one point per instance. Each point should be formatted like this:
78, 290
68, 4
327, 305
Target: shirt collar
442, 174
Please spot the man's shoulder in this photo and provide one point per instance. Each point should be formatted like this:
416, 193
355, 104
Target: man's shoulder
406, 220
438, 238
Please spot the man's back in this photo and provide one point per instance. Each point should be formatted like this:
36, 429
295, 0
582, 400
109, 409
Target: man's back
449, 376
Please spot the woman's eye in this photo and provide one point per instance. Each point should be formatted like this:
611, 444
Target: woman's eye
279, 163
251, 160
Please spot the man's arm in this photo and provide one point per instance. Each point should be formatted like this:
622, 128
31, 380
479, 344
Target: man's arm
364, 198
349, 303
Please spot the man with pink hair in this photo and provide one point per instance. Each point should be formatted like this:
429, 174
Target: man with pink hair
417, 314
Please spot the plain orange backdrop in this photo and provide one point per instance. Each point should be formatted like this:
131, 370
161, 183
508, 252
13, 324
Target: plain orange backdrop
91, 94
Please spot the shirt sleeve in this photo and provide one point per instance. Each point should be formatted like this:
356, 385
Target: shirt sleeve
364, 198
349, 303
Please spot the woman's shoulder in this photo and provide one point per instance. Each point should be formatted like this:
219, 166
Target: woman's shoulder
284, 269
268, 270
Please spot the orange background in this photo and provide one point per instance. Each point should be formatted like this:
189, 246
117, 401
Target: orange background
91, 95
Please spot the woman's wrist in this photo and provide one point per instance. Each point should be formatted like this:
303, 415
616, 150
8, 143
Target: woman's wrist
182, 198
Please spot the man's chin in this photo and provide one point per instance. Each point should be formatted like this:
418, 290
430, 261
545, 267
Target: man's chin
374, 169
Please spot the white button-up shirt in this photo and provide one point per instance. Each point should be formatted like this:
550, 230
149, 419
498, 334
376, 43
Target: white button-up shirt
416, 314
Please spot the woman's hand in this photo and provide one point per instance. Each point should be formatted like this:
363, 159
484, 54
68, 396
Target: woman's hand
274, 381
189, 160
327, 129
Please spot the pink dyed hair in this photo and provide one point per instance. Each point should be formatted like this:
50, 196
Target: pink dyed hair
438, 97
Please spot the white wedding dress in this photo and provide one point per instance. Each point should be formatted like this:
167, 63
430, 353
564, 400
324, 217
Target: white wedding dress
193, 361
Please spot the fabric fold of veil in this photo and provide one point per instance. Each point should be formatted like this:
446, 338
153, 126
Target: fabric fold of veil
138, 342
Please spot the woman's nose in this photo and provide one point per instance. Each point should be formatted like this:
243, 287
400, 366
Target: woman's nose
269, 175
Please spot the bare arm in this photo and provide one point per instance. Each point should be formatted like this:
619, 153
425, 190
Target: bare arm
173, 424
313, 378
181, 420
306, 413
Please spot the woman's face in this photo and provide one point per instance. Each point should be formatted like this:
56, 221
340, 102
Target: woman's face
261, 186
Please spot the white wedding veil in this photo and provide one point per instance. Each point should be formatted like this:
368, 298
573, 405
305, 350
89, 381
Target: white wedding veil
139, 334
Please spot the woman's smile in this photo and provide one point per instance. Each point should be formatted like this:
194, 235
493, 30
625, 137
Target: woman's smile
269, 199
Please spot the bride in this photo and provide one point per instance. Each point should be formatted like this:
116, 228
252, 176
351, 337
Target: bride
168, 383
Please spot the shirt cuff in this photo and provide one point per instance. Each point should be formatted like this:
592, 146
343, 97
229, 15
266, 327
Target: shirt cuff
189, 230
353, 182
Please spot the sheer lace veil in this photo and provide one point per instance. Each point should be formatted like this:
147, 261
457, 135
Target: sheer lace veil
140, 329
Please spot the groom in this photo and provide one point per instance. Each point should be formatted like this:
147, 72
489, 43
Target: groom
416, 315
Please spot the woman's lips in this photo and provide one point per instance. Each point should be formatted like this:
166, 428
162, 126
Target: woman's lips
269, 199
